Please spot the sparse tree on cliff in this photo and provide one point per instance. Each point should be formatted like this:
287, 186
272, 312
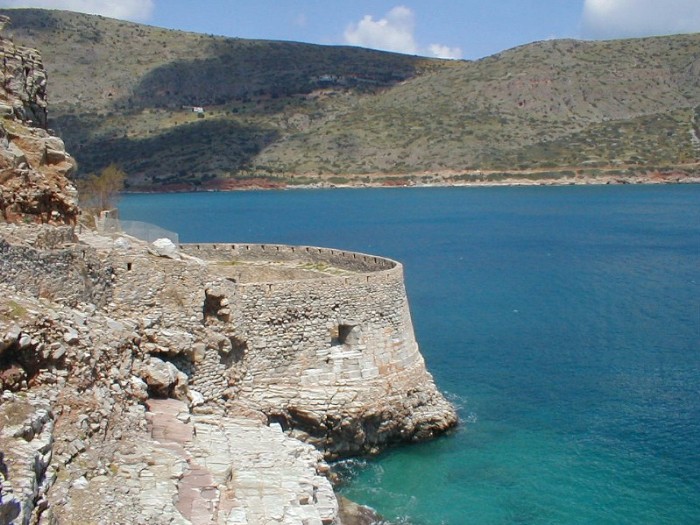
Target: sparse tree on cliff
99, 192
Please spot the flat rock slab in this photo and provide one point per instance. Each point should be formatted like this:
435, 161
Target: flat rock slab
239, 471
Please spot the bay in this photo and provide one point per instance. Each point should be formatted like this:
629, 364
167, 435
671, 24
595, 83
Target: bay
563, 321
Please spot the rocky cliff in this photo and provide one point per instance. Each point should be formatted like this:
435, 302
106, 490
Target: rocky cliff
209, 384
34, 164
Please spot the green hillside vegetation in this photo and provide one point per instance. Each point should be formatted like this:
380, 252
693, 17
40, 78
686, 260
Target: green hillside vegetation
280, 113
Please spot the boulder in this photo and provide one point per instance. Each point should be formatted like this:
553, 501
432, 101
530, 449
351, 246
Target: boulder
164, 379
11, 378
55, 156
170, 342
164, 248
159, 375
138, 388
122, 243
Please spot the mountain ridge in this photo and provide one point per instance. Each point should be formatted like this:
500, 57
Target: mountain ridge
285, 113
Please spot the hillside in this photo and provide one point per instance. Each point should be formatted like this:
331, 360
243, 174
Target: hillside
280, 113
547, 104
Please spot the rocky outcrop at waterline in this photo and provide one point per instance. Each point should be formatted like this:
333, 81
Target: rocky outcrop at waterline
269, 342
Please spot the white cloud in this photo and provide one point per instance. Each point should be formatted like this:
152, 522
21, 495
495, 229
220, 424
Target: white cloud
394, 32
441, 51
136, 10
627, 18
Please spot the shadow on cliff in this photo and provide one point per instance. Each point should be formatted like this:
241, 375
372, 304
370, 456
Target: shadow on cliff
187, 155
239, 70
243, 82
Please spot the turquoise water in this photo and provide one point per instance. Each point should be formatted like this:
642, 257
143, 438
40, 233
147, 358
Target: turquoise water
564, 322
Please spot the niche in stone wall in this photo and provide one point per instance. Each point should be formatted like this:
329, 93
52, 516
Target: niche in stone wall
234, 362
346, 334
216, 305
235, 353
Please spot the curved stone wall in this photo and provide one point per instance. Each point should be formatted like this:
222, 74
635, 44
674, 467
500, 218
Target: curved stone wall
354, 261
334, 358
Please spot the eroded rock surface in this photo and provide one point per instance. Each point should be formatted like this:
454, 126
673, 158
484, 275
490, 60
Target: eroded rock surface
26, 440
34, 164
272, 478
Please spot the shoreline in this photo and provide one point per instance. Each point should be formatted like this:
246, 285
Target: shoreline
419, 181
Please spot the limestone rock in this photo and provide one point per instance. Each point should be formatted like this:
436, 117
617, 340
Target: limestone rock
33, 164
139, 389
122, 243
164, 248
247, 471
12, 377
6, 110
170, 342
196, 399
161, 377
97, 330
26, 446
71, 336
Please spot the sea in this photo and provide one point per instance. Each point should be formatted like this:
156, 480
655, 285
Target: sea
563, 322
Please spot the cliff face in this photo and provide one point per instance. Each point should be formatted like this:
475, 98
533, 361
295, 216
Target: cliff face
34, 164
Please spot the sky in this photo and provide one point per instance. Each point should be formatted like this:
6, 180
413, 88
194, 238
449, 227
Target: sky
467, 29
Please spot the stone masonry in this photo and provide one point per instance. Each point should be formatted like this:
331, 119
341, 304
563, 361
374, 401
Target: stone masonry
333, 358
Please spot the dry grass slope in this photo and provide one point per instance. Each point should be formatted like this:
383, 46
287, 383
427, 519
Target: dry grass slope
282, 113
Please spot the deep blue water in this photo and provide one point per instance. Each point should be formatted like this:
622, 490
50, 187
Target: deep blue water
564, 322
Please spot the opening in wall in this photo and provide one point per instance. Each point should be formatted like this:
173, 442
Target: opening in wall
345, 334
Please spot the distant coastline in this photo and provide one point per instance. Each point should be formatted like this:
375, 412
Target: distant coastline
688, 174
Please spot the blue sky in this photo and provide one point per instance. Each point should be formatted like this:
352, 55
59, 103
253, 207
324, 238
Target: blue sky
448, 28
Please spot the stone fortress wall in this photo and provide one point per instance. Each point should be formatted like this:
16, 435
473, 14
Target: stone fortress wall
325, 354
353, 261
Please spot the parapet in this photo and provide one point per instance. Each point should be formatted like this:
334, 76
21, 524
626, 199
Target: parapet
341, 259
